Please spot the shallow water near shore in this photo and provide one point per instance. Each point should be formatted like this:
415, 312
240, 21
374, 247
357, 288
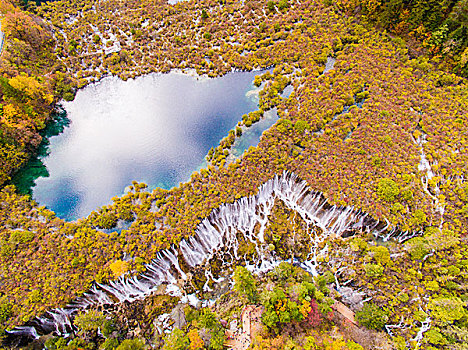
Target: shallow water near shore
155, 129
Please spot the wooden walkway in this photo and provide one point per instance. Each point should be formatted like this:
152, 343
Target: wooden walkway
251, 322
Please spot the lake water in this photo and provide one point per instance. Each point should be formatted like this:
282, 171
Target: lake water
251, 136
155, 129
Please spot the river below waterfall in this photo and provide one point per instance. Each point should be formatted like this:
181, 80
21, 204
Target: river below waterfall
155, 129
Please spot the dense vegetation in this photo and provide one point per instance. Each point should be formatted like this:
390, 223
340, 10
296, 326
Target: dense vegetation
440, 27
359, 133
297, 314
31, 81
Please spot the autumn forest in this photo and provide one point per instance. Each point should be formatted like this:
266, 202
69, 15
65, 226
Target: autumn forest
345, 228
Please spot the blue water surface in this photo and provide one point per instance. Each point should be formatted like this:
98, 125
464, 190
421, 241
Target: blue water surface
155, 129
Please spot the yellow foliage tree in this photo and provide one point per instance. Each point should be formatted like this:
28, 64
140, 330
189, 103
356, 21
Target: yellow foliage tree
196, 343
11, 115
119, 267
31, 87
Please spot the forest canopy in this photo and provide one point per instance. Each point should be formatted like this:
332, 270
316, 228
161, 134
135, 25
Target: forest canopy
383, 131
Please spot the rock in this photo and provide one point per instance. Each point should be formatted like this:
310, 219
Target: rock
178, 316
233, 326
351, 297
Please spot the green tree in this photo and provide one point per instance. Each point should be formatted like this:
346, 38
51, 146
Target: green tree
372, 317
208, 319
381, 255
55, 343
419, 218
108, 326
279, 309
177, 340
217, 338
284, 271
132, 344
433, 336
283, 5
271, 6
244, 284
96, 39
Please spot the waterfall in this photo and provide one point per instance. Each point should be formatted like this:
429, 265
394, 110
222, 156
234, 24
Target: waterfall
425, 167
219, 231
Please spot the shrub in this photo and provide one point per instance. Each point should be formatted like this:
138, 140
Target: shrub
133, 344
419, 315
387, 189
381, 255
77, 343
362, 95
353, 346
432, 286
217, 338
314, 317
89, 321
257, 80
283, 125
403, 297
110, 344
373, 270
106, 220
5, 310
191, 314
21, 236
358, 245
301, 126
417, 248
441, 239
433, 336
397, 208
447, 310
310, 343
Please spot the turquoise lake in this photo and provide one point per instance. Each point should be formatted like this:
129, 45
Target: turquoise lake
155, 129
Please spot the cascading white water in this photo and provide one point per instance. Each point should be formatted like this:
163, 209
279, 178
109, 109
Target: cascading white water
425, 167
219, 231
